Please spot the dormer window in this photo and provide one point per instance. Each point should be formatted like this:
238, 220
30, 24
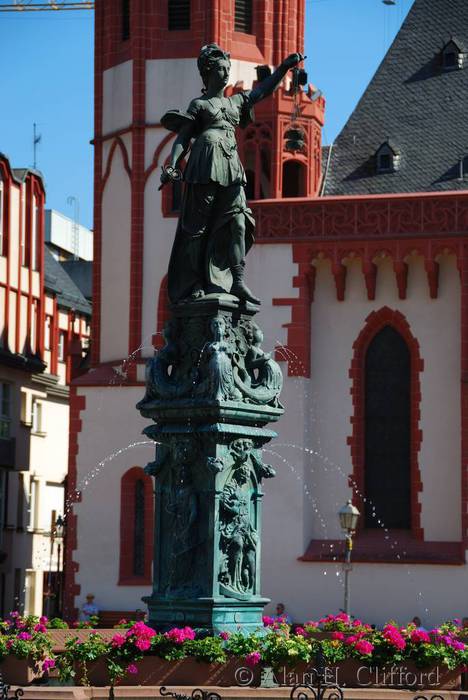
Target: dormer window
452, 56
387, 158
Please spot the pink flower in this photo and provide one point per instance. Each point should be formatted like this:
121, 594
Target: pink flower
40, 628
338, 635
300, 631
118, 640
357, 623
253, 658
458, 646
131, 668
179, 636
311, 623
47, 664
352, 639
139, 629
393, 636
342, 617
25, 636
363, 647
268, 621
43, 620
420, 636
143, 644
224, 635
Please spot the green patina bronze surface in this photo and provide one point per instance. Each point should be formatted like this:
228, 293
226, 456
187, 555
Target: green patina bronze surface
212, 389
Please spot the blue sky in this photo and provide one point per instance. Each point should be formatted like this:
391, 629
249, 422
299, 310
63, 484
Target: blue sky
47, 76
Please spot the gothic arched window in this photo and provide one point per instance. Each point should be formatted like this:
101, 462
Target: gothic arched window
387, 431
136, 528
294, 176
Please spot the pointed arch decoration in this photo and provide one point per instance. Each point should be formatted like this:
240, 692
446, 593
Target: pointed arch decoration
120, 144
375, 323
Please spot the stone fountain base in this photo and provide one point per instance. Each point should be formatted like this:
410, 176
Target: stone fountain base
211, 391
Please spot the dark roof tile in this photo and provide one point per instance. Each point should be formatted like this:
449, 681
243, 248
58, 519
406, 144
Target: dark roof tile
58, 282
414, 104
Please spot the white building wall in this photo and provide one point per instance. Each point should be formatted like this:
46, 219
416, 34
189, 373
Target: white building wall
117, 97
319, 482
59, 230
103, 457
115, 265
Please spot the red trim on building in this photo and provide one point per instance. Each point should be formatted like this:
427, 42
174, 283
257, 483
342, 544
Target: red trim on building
305, 254
6, 176
371, 548
127, 528
71, 588
116, 143
373, 217
155, 162
138, 32
374, 323
297, 352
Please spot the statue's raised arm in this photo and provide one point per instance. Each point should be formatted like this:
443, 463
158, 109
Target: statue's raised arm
216, 227
267, 86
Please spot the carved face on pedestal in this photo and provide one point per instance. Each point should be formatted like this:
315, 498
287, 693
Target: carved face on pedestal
218, 328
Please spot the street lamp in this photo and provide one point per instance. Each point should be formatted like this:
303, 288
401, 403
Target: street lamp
348, 516
59, 533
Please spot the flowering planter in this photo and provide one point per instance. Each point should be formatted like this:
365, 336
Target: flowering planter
16, 671
155, 671
354, 674
350, 673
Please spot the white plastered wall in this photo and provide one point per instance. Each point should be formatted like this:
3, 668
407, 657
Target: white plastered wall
310, 589
104, 456
115, 266
117, 97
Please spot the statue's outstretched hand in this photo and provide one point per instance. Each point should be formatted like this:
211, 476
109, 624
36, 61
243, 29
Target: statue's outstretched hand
292, 60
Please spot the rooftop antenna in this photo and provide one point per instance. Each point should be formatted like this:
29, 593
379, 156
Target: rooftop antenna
75, 226
36, 140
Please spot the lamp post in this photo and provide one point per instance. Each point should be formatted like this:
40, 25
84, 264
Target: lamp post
348, 516
59, 533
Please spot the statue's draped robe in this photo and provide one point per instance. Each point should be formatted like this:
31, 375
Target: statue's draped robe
214, 194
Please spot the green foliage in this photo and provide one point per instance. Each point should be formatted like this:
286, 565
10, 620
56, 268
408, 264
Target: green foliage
81, 653
240, 645
285, 650
57, 624
209, 650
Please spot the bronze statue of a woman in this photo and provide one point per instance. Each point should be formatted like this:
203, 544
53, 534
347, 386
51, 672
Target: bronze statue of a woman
215, 229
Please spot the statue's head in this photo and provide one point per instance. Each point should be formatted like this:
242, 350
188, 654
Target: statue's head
218, 327
214, 65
